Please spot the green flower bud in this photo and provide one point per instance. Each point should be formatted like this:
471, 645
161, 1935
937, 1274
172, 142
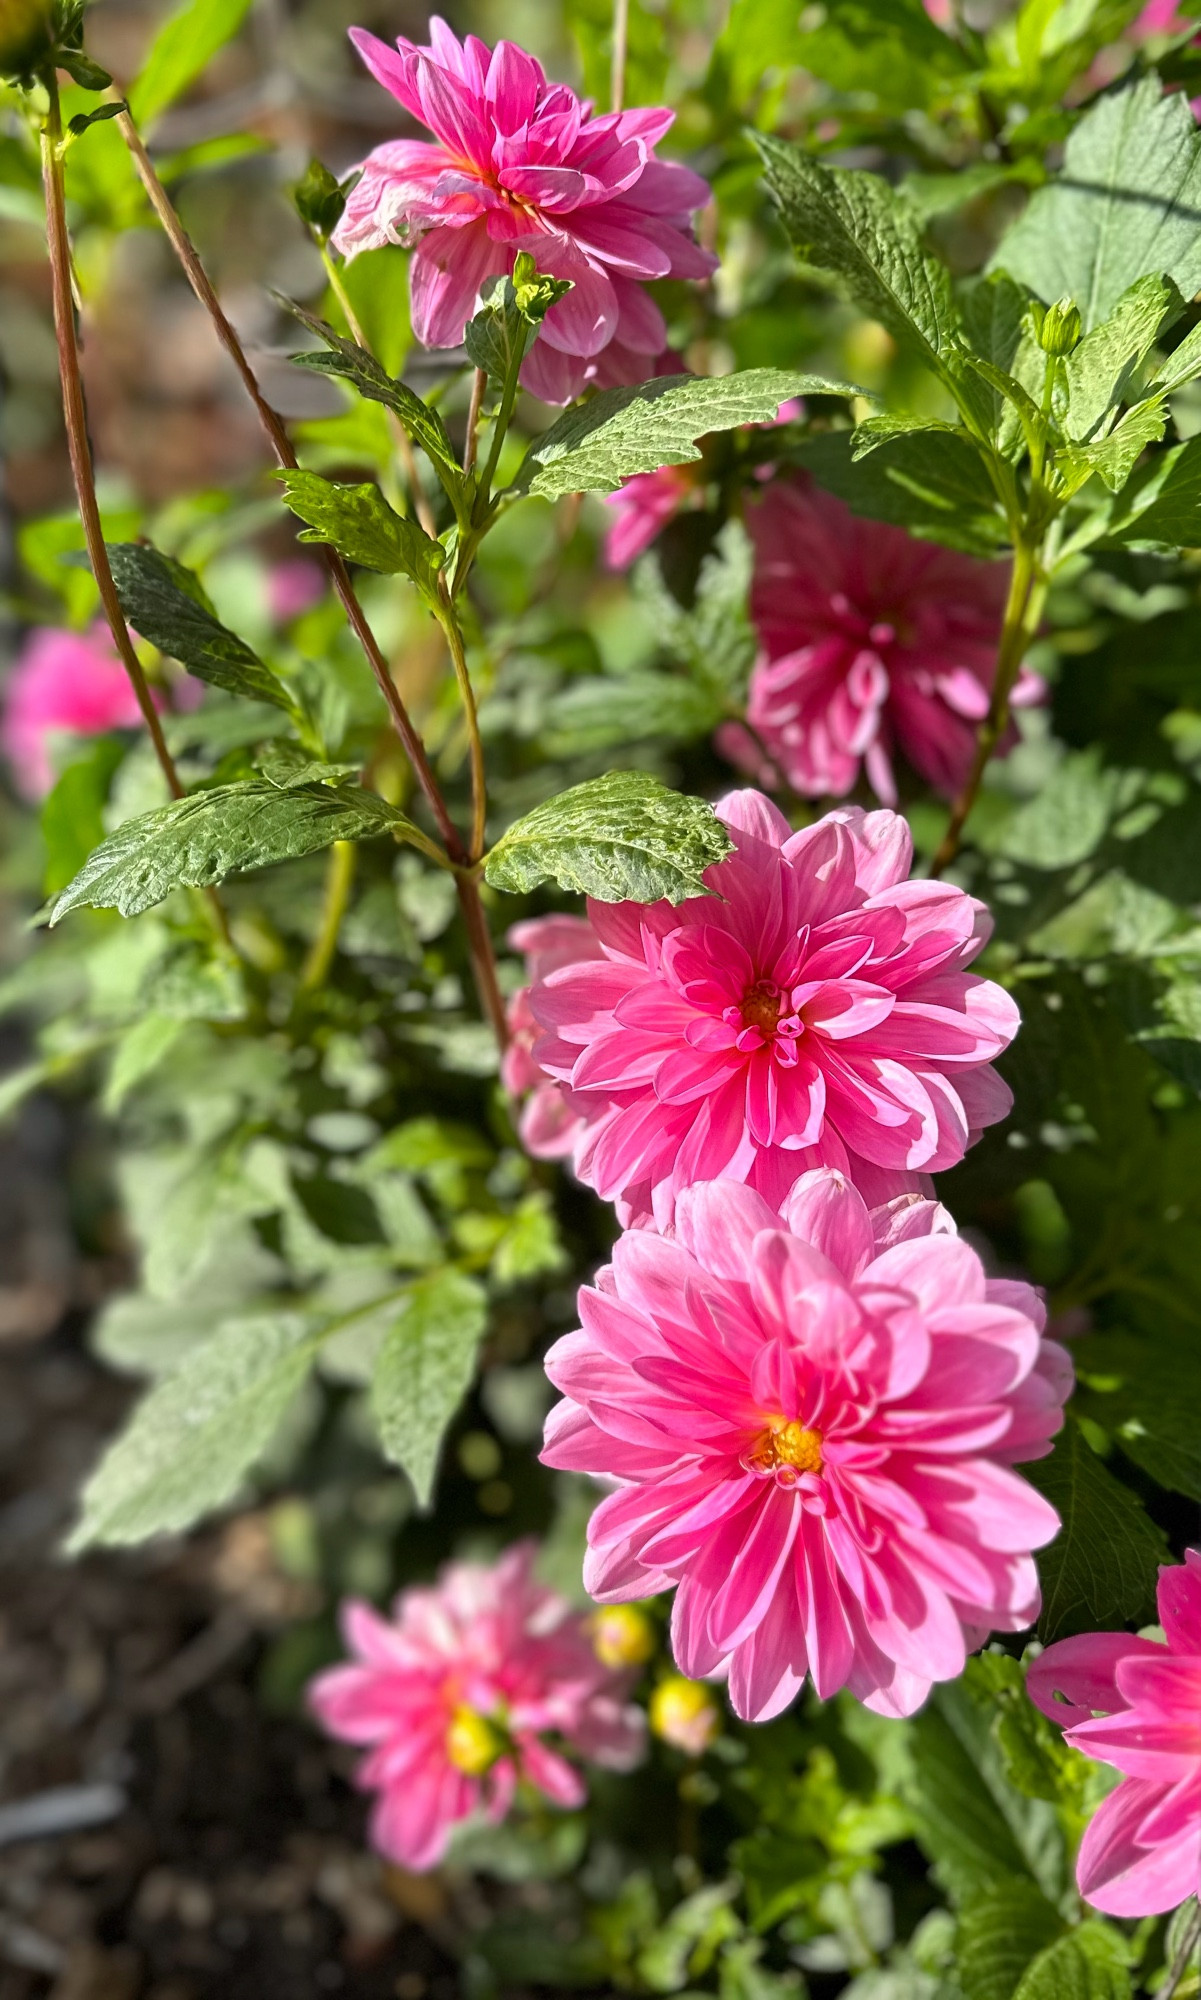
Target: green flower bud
1057, 328
26, 35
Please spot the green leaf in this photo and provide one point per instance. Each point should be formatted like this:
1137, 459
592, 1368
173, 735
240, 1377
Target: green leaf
1125, 205
1100, 372
424, 1370
319, 198
166, 604
888, 48
197, 841
937, 487
1100, 1570
1114, 457
1000, 1930
355, 365
361, 525
851, 224
1089, 1965
592, 448
609, 709
512, 310
183, 47
197, 1434
1162, 503
138, 1053
623, 837
959, 1821
892, 424
72, 816
78, 125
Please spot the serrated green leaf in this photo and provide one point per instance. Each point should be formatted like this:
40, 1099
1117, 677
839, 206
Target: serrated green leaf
183, 47
198, 841
592, 448
610, 709
888, 49
1162, 502
1100, 1570
892, 424
424, 1369
1124, 206
1101, 371
623, 837
355, 365
193, 1439
1000, 1930
851, 224
1091, 1964
359, 523
1113, 458
937, 487
166, 604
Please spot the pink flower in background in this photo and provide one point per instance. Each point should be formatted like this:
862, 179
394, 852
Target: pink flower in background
872, 641
642, 507
456, 1695
522, 164
292, 587
812, 1420
62, 683
550, 1123
1136, 1704
815, 1010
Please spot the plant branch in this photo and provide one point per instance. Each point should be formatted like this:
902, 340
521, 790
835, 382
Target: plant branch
400, 436
479, 384
281, 444
339, 880
1184, 1951
75, 416
483, 959
1027, 588
448, 619
621, 36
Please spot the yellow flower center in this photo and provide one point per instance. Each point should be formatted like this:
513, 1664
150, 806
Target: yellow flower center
472, 1744
622, 1636
761, 1008
785, 1444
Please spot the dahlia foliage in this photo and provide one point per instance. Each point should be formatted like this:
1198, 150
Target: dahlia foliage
423, 924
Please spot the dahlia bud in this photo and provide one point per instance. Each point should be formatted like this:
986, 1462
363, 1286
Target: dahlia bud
472, 1744
685, 1714
25, 35
622, 1636
1057, 328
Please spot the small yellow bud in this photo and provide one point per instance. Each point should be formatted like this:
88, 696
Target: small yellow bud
1057, 328
472, 1744
622, 1636
685, 1714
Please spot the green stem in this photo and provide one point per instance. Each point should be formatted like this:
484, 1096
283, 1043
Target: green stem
448, 619
500, 430
339, 880
1179, 1966
1027, 589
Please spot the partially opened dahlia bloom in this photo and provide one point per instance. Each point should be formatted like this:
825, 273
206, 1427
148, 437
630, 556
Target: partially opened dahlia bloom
457, 1693
812, 1420
62, 684
872, 642
815, 1010
523, 164
1135, 1704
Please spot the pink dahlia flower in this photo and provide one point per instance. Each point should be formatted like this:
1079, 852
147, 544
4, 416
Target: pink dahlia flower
457, 1693
815, 1010
1134, 1704
62, 684
522, 164
293, 586
871, 641
642, 507
813, 1420
550, 1123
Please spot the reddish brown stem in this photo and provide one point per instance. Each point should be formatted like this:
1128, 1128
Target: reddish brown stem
483, 959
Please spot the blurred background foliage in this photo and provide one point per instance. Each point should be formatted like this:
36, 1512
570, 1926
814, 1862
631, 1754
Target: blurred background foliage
245, 1141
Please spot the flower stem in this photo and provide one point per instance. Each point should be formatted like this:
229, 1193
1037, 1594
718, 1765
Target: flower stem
483, 958
448, 619
621, 36
1179, 1966
400, 436
281, 444
339, 880
479, 384
75, 415
1027, 589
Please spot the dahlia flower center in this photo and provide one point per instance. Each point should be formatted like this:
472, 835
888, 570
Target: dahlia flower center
783, 1450
472, 1744
761, 1008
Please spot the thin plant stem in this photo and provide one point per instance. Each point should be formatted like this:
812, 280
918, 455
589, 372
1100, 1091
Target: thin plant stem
479, 789
339, 880
281, 444
400, 436
621, 36
1027, 588
479, 937
1179, 1966
478, 385
75, 415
